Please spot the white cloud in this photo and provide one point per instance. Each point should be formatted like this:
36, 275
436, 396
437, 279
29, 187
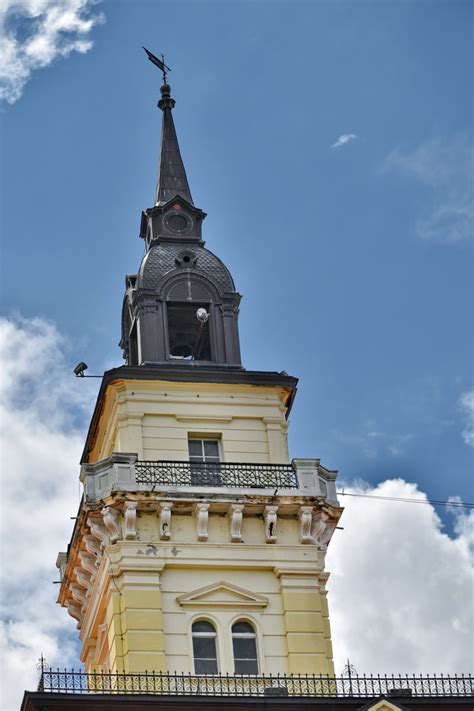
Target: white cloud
400, 588
344, 139
34, 33
43, 409
466, 402
445, 169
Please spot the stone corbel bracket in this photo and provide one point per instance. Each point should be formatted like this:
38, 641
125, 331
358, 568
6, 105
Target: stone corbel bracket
202, 521
270, 517
236, 515
98, 531
89, 563
130, 519
116, 473
83, 578
322, 528
74, 609
112, 520
306, 522
165, 520
79, 595
93, 547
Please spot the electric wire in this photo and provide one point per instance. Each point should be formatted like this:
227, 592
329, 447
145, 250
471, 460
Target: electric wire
407, 500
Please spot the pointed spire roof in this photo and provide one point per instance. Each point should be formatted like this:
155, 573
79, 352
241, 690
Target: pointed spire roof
171, 180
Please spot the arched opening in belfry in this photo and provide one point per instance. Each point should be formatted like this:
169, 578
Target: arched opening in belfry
188, 330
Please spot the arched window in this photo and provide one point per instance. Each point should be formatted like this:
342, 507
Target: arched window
204, 648
245, 648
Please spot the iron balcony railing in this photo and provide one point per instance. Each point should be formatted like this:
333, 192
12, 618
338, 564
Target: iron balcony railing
226, 474
79, 682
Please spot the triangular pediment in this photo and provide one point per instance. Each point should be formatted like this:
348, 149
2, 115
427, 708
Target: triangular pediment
222, 594
383, 704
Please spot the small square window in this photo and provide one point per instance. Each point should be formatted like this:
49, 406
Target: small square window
205, 461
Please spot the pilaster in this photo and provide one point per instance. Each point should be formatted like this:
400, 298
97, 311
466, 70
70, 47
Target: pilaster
305, 612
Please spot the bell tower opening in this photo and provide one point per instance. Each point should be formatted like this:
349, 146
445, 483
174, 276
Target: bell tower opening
188, 331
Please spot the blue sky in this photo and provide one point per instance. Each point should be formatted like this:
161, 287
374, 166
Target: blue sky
341, 285
354, 260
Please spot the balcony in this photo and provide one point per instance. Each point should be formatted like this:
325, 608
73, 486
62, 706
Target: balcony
123, 472
225, 474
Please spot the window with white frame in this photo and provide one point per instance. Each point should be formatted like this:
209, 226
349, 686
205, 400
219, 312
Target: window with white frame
244, 644
204, 648
205, 461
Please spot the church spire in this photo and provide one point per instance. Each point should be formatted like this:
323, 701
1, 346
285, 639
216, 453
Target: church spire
171, 180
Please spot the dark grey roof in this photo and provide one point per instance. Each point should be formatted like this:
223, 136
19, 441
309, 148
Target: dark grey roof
171, 180
161, 260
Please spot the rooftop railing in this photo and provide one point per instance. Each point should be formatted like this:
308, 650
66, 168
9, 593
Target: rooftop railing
78, 682
222, 474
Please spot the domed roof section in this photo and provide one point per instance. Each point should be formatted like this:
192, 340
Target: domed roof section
168, 258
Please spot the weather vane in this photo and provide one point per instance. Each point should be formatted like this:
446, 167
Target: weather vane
160, 63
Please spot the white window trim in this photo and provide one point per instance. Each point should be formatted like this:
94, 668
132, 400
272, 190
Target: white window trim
211, 438
220, 652
258, 642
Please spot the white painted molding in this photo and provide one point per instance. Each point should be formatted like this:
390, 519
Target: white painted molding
236, 515
306, 520
270, 516
165, 520
130, 519
222, 594
204, 418
202, 520
112, 520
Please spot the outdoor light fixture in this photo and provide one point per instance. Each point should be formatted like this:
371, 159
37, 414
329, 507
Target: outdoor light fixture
202, 315
79, 369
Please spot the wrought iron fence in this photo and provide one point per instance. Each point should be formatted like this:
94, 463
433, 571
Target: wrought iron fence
78, 682
246, 476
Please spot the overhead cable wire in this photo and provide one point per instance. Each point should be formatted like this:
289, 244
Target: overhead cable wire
406, 500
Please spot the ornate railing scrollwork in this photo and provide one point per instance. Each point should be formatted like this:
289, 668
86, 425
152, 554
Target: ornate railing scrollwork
296, 685
221, 474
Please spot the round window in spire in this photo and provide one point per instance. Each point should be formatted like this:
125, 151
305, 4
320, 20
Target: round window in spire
177, 223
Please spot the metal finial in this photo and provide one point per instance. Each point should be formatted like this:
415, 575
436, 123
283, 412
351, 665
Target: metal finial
349, 670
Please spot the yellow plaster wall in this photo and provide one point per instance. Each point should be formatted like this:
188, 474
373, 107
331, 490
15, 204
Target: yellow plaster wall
154, 419
134, 624
148, 628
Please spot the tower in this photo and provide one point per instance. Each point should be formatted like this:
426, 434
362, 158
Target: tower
198, 547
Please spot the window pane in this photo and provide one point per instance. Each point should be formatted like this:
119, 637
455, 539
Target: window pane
246, 666
244, 648
205, 666
242, 627
211, 449
204, 647
203, 626
195, 447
